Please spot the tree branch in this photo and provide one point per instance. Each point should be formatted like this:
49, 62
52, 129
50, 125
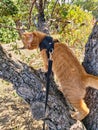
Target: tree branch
30, 85
10, 27
30, 13
42, 25
90, 63
54, 8
45, 1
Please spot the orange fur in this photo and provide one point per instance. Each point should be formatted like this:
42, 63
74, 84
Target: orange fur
71, 75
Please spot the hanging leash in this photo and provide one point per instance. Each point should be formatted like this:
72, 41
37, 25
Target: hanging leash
47, 44
48, 85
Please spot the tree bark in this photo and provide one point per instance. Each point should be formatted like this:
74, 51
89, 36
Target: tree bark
91, 65
42, 25
30, 85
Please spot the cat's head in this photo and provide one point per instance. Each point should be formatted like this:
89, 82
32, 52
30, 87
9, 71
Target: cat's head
31, 40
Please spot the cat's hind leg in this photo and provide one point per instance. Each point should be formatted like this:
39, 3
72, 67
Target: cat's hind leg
82, 110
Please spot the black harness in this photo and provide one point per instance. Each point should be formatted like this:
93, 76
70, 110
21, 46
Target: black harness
47, 44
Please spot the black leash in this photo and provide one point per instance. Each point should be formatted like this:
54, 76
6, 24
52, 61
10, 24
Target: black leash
47, 86
47, 44
48, 81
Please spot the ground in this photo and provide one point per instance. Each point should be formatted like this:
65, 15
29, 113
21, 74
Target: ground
14, 111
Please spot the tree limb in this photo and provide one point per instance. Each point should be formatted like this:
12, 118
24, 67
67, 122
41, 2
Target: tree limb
42, 25
30, 13
90, 63
10, 27
30, 85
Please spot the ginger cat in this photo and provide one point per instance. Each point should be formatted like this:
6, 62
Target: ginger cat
71, 75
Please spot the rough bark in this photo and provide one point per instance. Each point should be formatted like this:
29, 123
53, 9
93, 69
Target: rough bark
30, 84
42, 25
91, 65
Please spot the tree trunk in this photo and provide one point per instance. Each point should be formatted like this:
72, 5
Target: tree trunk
30, 85
42, 25
91, 65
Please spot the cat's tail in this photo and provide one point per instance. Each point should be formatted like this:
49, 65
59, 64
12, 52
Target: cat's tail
91, 81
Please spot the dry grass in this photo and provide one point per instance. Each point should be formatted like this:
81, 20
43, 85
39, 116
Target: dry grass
14, 112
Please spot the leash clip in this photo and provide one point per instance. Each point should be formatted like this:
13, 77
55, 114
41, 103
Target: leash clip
51, 54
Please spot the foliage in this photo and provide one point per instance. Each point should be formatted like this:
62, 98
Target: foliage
90, 5
79, 28
7, 8
8, 35
10, 12
69, 20
72, 22
23, 9
7, 11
